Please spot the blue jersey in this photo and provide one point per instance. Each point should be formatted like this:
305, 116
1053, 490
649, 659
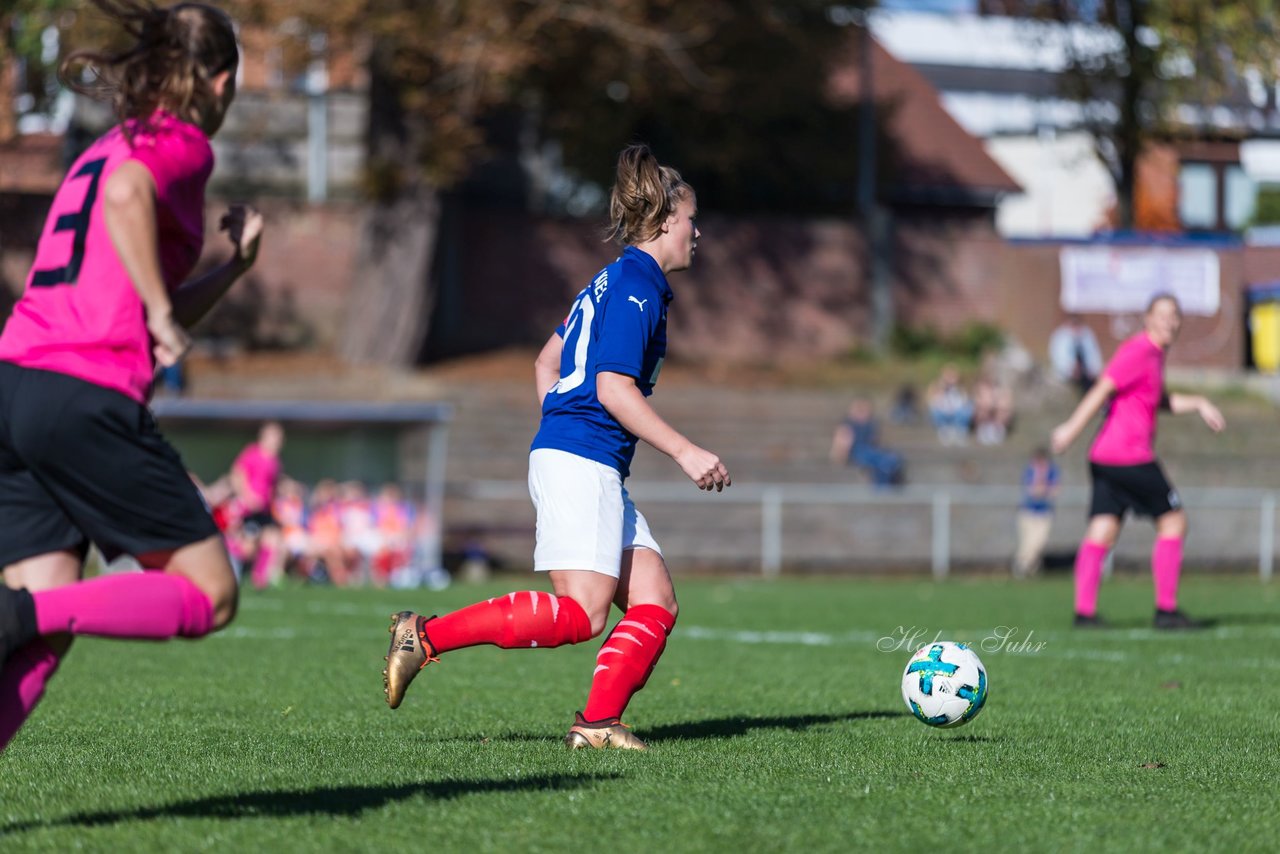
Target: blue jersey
1046, 480
618, 323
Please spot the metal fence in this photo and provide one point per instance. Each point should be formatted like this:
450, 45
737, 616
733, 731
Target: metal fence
778, 502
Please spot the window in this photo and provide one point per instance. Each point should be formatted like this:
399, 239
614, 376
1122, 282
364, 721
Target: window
1216, 196
1198, 195
1240, 197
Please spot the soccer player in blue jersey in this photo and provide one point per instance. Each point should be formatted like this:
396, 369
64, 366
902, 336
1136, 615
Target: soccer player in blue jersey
593, 378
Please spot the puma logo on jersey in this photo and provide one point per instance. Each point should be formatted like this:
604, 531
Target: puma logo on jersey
639, 302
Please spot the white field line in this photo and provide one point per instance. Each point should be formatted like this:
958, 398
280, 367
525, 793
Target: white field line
804, 638
1051, 648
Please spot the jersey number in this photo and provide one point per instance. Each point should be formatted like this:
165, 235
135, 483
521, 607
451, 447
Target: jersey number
78, 224
584, 311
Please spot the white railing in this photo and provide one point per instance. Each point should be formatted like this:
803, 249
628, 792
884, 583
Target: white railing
774, 498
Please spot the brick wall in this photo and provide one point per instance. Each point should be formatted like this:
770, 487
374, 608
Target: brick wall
762, 289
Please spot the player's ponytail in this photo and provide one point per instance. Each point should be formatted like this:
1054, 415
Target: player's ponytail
644, 194
177, 51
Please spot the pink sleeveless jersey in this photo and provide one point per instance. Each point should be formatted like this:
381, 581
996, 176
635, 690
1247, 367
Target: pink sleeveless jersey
1128, 435
261, 472
80, 314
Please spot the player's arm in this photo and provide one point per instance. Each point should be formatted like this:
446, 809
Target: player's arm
546, 368
193, 299
1093, 401
129, 212
1180, 404
239, 480
622, 398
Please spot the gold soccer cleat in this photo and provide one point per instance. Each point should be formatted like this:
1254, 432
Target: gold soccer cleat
406, 656
600, 735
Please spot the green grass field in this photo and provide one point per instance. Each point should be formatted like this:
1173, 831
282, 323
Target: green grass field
775, 721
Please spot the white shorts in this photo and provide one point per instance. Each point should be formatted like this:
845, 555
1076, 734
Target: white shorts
585, 517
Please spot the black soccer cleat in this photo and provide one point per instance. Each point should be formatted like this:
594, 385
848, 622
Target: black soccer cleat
17, 620
1090, 621
1177, 620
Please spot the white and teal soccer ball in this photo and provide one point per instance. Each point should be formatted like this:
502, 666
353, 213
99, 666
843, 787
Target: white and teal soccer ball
945, 684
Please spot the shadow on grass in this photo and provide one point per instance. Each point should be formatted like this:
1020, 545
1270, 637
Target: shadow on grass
1255, 619
713, 728
331, 801
1215, 621
741, 725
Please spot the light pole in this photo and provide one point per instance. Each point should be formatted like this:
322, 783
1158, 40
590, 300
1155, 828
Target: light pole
875, 220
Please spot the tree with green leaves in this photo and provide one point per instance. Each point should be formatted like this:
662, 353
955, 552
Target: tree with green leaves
1134, 65
22, 25
734, 92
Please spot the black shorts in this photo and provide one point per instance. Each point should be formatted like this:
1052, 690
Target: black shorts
1142, 488
80, 463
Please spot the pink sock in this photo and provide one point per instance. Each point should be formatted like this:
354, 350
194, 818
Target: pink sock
22, 685
262, 566
1089, 576
144, 605
1166, 566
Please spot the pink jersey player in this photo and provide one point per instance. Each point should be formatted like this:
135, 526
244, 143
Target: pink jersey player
81, 459
256, 471
80, 314
1128, 434
1123, 467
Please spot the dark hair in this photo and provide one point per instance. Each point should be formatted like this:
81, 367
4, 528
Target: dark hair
177, 52
644, 194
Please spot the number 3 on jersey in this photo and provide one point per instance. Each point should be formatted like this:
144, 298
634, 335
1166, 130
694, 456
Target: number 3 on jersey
577, 337
78, 224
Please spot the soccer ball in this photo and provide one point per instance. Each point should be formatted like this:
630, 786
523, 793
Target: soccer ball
945, 685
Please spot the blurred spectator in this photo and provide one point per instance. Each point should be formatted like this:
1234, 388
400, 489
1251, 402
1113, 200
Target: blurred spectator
1074, 353
330, 555
290, 511
856, 442
393, 518
992, 411
172, 381
1035, 512
950, 407
335, 535
359, 530
906, 405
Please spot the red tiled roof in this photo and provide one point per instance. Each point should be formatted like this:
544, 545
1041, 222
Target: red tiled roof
931, 155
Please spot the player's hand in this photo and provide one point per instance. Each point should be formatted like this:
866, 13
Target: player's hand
243, 225
170, 342
1212, 417
1060, 439
704, 468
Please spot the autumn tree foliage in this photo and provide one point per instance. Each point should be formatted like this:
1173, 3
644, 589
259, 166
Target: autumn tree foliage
1151, 70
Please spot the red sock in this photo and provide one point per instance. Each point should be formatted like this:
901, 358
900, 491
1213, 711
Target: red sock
627, 658
518, 620
1166, 566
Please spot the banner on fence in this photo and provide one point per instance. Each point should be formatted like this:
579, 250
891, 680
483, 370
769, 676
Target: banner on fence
1122, 279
